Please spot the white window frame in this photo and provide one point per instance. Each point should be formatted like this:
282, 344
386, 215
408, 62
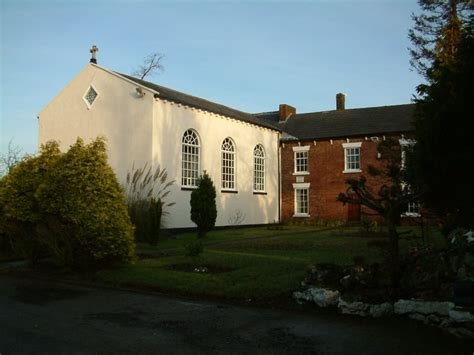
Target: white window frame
346, 147
413, 208
228, 166
300, 187
259, 169
405, 143
190, 175
300, 150
84, 97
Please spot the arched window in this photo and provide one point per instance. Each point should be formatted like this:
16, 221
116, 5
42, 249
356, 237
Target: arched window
190, 159
258, 168
228, 164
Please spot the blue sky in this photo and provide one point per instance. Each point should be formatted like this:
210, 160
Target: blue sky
249, 55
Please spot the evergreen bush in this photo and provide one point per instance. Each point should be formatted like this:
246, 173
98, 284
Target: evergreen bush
68, 207
203, 205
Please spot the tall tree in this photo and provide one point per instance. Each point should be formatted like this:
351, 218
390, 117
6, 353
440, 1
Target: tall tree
443, 153
437, 32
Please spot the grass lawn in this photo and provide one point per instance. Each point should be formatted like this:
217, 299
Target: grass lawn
258, 265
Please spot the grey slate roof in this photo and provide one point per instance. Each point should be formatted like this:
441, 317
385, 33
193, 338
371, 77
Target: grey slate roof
346, 123
196, 102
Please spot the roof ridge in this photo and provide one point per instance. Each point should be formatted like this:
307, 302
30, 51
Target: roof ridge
352, 109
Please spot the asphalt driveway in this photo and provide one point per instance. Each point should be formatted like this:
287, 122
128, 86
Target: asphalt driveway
42, 317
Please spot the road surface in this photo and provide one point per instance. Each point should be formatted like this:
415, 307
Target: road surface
44, 317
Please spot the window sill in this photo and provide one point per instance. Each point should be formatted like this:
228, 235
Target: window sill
229, 191
352, 171
301, 215
188, 188
301, 173
410, 215
259, 193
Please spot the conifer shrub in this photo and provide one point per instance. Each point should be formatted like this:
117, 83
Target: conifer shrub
203, 205
68, 207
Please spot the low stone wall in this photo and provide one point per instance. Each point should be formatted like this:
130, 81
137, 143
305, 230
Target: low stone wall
445, 315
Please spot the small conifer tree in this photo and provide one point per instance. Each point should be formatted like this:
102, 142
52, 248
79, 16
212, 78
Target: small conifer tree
203, 205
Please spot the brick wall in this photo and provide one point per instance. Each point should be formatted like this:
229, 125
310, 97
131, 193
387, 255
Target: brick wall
326, 177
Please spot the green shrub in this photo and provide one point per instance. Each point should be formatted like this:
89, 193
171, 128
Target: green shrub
146, 192
193, 249
68, 207
203, 205
20, 210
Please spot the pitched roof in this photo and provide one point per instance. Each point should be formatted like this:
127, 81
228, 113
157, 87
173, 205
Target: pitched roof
196, 102
345, 123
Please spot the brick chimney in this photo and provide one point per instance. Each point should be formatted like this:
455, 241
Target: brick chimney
93, 51
340, 102
286, 111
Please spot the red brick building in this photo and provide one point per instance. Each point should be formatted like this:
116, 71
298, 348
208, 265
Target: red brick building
321, 150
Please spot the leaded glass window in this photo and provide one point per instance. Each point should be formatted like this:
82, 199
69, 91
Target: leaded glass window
228, 164
258, 168
190, 159
91, 95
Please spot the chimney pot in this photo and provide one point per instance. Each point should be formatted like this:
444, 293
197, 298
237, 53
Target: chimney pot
340, 102
286, 111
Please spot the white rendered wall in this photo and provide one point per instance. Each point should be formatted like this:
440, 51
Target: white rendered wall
145, 130
117, 113
171, 120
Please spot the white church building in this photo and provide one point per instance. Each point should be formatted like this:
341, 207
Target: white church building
147, 123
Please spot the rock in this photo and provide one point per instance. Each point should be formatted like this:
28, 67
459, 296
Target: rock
423, 307
381, 310
461, 332
326, 273
418, 317
469, 236
469, 261
346, 281
357, 308
433, 319
446, 323
320, 296
461, 316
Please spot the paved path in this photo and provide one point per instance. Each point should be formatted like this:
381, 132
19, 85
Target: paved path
39, 317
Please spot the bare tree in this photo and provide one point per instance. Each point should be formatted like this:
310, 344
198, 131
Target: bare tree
9, 159
151, 65
388, 198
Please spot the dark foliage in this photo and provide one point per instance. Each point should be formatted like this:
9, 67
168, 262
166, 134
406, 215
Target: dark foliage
203, 205
389, 200
440, 161
67, 207
437, 32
